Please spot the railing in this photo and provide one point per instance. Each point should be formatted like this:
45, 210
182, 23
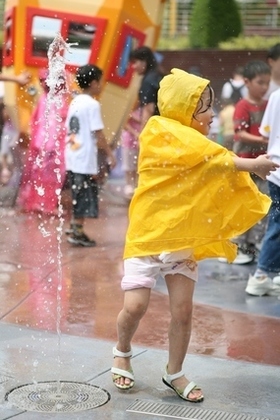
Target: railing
259, 17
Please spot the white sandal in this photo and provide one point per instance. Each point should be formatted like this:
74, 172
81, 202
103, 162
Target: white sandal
167, 380
121, 373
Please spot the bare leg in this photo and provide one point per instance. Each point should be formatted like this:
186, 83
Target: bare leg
130, 178
130, 183
180, 290
5, 172
135, 306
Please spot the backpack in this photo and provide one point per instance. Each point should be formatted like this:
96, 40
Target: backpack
236, 94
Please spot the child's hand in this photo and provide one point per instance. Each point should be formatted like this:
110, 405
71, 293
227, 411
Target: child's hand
112, 161
23, 78
263, 166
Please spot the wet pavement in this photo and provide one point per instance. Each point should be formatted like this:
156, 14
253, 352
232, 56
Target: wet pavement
59, 305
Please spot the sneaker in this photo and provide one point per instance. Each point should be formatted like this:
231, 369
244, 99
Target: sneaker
254, 249
69, 231
81, 240
243, 257
276, 280
260, 286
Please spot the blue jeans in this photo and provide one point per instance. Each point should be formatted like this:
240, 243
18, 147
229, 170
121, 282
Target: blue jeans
256, 233
269, 258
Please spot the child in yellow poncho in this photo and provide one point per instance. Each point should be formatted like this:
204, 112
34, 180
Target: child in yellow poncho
193, 196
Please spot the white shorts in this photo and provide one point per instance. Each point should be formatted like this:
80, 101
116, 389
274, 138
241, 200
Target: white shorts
144, 271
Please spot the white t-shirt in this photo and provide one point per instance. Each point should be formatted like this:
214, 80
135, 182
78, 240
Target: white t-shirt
227, 88
2, 89
270, 127
83, 118
273, 86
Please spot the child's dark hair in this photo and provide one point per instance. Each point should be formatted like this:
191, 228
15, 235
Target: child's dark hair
274, 52
144, 54
254, 68
86, 74
200, 105
239, 70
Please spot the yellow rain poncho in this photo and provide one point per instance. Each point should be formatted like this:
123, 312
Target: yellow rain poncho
190, 194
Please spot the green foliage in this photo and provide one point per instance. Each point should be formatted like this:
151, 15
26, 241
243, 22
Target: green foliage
181, 43
214, 21
256, 42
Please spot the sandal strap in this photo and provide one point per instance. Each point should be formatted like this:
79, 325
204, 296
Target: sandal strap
122, 373
170, 378
118, 353
189, 388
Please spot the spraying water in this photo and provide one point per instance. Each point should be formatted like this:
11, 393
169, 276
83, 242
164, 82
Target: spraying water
57, 83
57, 80
57, 396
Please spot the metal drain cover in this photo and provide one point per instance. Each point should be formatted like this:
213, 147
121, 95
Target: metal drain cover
173, 411
4, 379
57, 397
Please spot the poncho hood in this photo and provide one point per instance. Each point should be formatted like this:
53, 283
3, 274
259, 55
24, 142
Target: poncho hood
179, 94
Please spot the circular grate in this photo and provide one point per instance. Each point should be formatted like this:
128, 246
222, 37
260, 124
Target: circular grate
57, 397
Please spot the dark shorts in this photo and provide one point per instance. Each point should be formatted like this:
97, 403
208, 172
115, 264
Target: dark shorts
84, 192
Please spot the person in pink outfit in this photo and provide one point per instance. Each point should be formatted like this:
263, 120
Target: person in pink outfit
44, 170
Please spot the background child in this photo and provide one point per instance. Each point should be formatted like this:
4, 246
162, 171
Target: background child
226, 123
273, 60
264, 281
248, 143
84, 137
44, 170
235, 88
145, 64
188, 203
130, 150
9, 138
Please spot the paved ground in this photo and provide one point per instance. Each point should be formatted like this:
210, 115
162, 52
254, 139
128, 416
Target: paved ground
58, 310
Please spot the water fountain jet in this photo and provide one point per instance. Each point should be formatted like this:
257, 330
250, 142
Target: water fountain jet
57, 396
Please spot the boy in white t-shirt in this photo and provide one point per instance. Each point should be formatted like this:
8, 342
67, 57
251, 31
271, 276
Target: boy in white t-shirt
266, 279
84, 137
273, 60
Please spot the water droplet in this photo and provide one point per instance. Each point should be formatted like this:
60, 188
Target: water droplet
40, 190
